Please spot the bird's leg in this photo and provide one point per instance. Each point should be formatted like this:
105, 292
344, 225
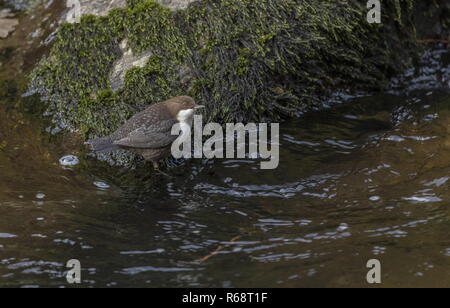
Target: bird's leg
156, 167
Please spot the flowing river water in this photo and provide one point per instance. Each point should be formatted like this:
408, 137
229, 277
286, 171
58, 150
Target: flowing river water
367, 179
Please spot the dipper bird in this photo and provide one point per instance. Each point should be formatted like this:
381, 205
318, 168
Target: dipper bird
148, 133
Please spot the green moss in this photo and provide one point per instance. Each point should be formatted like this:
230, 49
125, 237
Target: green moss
6, 54
83, 56
79, 64
146, 85
309, 48
133, 3
243, 63
8, 90
240, 54
3, 145
150, 26
97, 114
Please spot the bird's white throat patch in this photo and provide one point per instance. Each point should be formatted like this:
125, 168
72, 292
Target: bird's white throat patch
186, 116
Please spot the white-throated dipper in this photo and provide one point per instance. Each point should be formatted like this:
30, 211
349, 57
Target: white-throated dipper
148, 133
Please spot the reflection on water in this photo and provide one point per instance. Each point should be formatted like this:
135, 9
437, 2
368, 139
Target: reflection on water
366, 180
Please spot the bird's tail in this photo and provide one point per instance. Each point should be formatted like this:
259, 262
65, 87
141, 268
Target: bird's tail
104, 144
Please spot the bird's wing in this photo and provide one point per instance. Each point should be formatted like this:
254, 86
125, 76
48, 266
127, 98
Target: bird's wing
150, 137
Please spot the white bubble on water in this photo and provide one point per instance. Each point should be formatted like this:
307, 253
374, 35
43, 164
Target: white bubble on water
40, 196
69, 160
102, 185
7, 235
343, 227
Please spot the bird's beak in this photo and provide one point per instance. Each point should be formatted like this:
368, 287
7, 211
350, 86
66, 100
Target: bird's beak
198, 107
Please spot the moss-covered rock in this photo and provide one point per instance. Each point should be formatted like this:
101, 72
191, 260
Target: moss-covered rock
245, 60
5, 54
432, 19
8, 90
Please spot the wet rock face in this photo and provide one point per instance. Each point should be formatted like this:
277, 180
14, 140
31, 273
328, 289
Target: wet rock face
7, 23
432, 21
176, 4
18, 4
125, 63
102, 7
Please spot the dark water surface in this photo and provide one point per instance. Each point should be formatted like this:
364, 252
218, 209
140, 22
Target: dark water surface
368, 179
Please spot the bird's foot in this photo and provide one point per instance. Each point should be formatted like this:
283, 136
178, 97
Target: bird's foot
163, 173
156, 167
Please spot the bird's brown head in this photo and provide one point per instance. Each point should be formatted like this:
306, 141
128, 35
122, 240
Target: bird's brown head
182, 108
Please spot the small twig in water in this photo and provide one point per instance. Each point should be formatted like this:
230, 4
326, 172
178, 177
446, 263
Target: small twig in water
433, 41
234, 239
